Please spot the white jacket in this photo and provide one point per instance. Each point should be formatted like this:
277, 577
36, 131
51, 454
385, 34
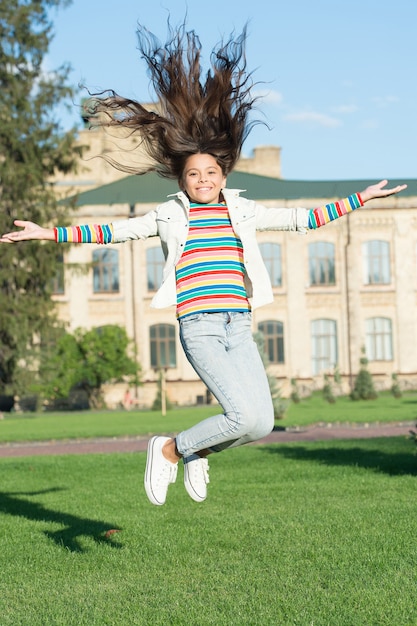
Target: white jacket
170, 222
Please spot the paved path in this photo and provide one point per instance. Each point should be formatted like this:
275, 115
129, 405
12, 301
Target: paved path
322, 432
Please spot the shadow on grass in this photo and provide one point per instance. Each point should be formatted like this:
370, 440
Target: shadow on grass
75, 527
393, 463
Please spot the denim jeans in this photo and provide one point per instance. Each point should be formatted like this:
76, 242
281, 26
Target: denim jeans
221, 349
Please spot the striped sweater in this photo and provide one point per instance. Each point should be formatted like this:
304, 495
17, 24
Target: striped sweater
210, 272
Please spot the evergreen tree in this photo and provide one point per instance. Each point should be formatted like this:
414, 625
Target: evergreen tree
33, 148
295, 393
395, 387
364, 385
328, 393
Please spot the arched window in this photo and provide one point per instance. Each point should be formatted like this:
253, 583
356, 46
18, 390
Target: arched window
324, 345
271, 254
105, 271
154, 265
273, 333
379, 339
162, 346
321, 260
376, 268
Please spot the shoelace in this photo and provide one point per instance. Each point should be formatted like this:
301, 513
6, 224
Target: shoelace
168, 473
205, 469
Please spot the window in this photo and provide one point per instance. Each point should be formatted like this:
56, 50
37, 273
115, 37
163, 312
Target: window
273, 333
58, 281
162, 344
376, 255
321, 263
378, 339
324, 345
154, 265
105, 271
271, 254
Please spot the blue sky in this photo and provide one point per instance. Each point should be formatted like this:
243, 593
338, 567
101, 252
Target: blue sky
339, 76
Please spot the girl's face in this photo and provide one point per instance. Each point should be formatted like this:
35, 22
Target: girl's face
203, 179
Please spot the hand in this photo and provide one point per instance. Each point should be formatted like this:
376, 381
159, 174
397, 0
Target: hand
378, 191
30, 231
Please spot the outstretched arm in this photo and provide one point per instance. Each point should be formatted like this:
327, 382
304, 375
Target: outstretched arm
325, 214
378, 191
29, 231
95, 233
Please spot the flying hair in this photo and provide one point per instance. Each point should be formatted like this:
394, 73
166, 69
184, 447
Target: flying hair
194, 113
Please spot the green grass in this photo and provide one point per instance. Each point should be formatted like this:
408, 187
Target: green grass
87, 424
312, 534
385, 408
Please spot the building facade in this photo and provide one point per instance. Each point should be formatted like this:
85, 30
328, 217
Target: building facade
344, 288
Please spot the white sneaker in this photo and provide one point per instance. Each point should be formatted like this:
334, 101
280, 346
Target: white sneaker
196, 477
159, 473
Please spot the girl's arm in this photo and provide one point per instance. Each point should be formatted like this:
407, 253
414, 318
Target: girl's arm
325, 214
72, 234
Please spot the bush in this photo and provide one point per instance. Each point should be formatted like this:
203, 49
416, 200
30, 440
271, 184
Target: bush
295, 394
395, 387
364, 385
328, 394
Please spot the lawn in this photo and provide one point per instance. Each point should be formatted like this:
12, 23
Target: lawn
84, 424
311, 534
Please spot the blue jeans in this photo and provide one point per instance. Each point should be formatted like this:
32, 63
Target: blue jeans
221, 349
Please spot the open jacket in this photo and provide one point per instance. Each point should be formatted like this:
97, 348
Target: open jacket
169, 221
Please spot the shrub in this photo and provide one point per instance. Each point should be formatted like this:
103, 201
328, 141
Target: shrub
395, 387
364, 385
328, 394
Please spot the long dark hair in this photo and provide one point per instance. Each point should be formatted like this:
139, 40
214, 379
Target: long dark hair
193, 115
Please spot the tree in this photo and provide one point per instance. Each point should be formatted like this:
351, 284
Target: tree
87, 360
33, 148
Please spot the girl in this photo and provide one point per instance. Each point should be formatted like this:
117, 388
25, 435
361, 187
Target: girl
214, 272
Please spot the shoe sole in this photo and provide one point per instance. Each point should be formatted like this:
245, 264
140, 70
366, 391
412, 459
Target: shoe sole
148, 472
190, 489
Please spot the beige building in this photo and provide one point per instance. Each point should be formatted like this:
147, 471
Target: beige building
347, 286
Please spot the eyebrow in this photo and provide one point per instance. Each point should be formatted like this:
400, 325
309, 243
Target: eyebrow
196, 169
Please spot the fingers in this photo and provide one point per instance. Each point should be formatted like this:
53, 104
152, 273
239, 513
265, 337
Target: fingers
397, 189
378, 190
9, 238
16, 235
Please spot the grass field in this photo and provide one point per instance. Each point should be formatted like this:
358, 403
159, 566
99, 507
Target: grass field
297, 534
38, 426
312, 534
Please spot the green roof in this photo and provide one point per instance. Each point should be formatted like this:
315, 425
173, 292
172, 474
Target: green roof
151, 188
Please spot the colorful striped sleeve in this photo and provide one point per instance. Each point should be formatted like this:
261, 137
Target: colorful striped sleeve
97, 233
325, 214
